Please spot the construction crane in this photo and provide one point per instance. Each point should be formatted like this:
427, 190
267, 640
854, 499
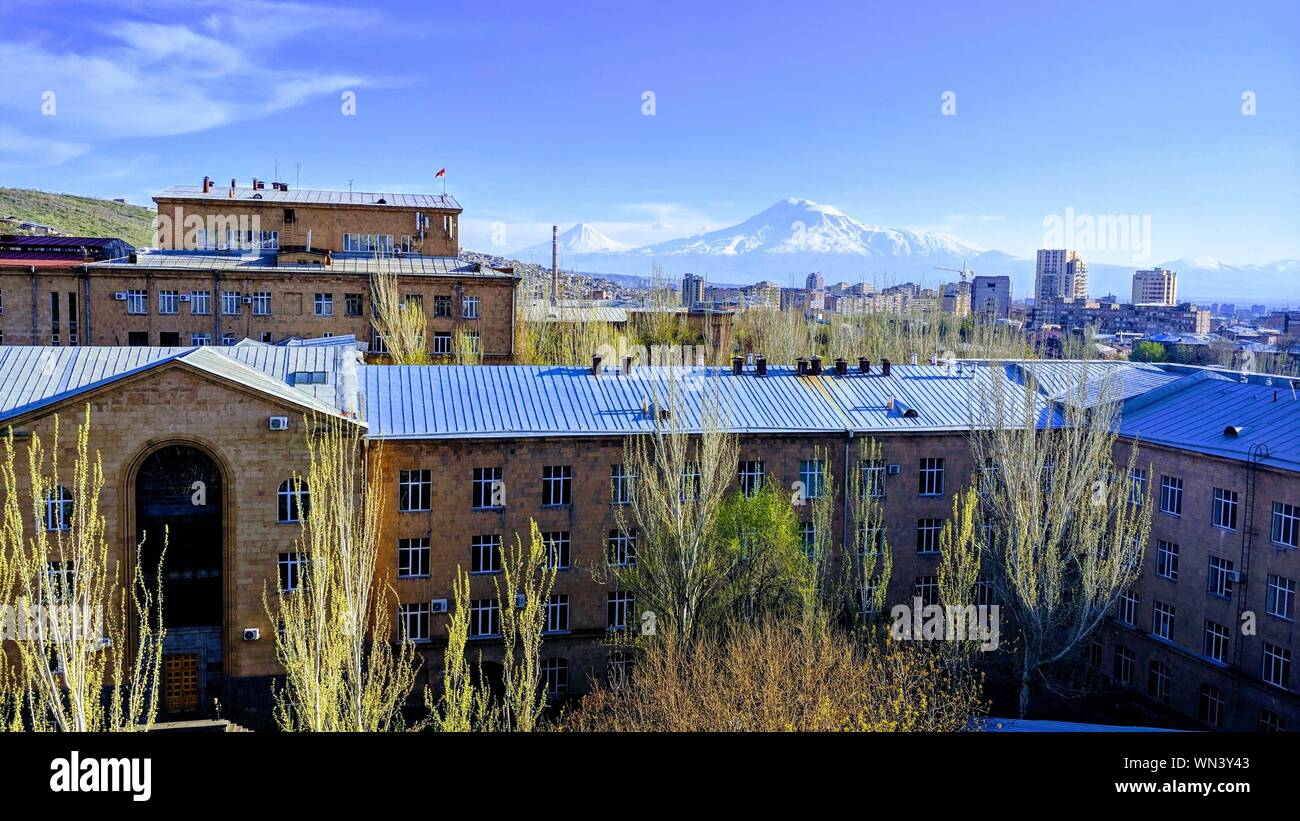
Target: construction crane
963, 270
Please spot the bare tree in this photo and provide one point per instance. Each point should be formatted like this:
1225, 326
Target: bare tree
343, 671
400, 322
527, 577
463, 706
870, 563
1068, 529
75, 669
681, 479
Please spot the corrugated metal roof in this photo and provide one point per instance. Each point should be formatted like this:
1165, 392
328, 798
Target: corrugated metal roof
543, 312
489, 401
266, 263
34, 377
307, 196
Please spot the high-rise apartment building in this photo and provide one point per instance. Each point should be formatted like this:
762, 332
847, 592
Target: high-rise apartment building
1158, 286
991, 296
1060, 274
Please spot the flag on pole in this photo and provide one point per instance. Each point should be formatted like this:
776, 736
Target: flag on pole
442, 172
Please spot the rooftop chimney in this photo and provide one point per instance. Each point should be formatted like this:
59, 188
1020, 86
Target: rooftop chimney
841, 366
816, 363
233, 183
801, 365
595, 364
555, 263
760, 365
737, 365
884, 367
256, 184
207, 185
627, 365
864, 365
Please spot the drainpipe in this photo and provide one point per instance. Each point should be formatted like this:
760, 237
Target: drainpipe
848, 446
34, 301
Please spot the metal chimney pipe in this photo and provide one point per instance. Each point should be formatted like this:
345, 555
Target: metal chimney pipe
801, 365
737, 365
760, 365
864, 365
841, 366
816, 363
595, 365
884, 367
627, 365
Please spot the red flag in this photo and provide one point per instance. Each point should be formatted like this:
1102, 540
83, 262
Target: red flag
442, 172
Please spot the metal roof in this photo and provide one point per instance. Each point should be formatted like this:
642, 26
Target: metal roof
45, 242
35, 377
1195, 412
496, 400
305, 196
543, 312
266, 263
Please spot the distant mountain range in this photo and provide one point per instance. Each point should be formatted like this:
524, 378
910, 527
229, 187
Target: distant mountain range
794, 237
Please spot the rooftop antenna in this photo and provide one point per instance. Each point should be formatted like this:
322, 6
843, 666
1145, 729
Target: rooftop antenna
297, 173
349, 187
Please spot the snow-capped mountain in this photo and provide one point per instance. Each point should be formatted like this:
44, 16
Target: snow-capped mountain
795, 237
581, 239
798, 226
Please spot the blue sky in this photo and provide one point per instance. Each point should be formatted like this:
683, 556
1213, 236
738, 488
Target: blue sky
536, 110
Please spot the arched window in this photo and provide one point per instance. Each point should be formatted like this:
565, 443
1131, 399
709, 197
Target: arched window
294, 501
58, 508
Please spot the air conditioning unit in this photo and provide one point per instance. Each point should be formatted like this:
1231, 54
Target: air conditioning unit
279, 423
1234, 575
252, 634
894, 470
248, 300
184, 297
120, 296
438, 606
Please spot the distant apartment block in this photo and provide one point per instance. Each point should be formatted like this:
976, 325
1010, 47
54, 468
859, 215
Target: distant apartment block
1158, 286
1060, 274
991, 296
693, 291
1111, 318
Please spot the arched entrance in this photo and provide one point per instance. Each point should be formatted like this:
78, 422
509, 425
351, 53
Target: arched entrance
178, 498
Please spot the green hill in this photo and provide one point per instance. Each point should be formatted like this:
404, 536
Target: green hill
77, 216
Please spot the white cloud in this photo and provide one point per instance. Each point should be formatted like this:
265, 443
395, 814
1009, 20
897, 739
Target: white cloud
22, 150
141, 78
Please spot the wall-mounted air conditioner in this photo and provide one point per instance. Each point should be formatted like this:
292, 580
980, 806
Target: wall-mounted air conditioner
438, 606
120, 296
279, 423
894, 470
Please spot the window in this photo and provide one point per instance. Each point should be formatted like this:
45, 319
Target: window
368, 243
622, 548
620, 485
475, 342
1167, 559
353, 303
808, 536
557, 613
1162, 621
1280, 597
469, 307
1158, 678
1211, 711
413, 558
261, 303
555, 672
931, 477
292, 567
1225, 509
812, 475
169, 339
200, 303
926, 588
230, 303
620, 604
1286, 524
442, 307
984, 597
870, 539
1128, 608
487, 491
750, 476
137, 339
927, 535
1125, 663
414, 620
137, 301
58, 509
866, 596
268, 240
1215, 645
557, 485
54, 318
324, 304
73, 338
441, 343
414, 490
558, 546
690, 483
288, 216
228, 339
293, 501
168, 302
60, 581
1220, 577
1171, 495
484, 618
1094, 653
873, 478
485, 554
200, 339
1277, 665
1271, 722
1138, 487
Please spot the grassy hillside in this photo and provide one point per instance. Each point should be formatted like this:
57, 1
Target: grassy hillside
77, 216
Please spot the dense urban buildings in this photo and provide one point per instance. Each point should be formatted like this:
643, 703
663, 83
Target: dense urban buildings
1112, 318
462, 478
1157, 286
1060, 274
991, 296
693, 291
267, 264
